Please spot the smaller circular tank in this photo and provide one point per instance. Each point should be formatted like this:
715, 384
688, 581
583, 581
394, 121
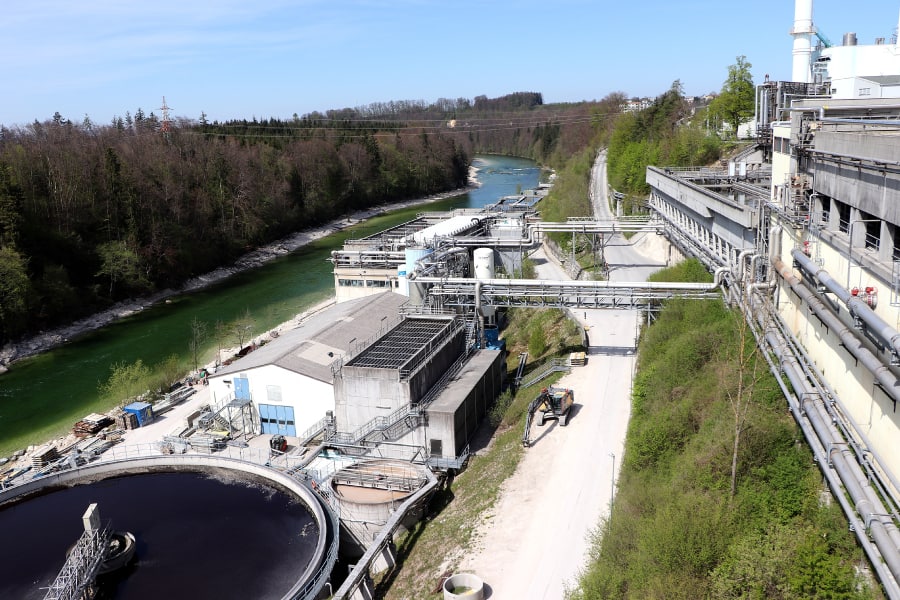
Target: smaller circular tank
463, 586
368, 493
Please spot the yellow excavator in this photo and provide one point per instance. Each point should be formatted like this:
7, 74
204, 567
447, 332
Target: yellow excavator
552, 403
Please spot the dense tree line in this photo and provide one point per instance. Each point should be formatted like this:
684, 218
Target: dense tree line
92, 214
659, 135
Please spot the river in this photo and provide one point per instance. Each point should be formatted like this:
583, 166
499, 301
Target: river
43, 396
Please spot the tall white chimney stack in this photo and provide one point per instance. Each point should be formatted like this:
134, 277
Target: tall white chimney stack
802, 32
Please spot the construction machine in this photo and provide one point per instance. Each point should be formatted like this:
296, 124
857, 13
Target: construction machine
552, 403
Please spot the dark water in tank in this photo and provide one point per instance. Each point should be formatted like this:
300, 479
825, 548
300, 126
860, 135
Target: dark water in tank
198, 536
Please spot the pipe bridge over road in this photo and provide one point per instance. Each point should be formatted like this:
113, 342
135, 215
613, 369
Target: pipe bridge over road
458, 291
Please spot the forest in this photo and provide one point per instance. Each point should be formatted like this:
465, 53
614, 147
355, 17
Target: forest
91, 214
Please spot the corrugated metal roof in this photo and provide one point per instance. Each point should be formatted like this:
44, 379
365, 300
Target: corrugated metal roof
338, 329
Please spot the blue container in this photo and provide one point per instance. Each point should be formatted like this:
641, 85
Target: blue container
142, 410
492, 336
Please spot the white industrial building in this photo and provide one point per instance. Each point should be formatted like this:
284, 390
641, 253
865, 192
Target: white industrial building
289, 381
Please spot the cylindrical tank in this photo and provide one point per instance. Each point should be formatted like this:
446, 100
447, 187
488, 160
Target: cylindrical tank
484, 269
463, 586
414, 291
368, 492
850, 38
484, 263
239, 482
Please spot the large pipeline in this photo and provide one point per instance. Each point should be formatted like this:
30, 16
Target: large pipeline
812, 412
875, 324
885, 377
865, 501
889, 382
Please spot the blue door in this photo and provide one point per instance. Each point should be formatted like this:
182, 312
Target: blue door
277, 419
241, 388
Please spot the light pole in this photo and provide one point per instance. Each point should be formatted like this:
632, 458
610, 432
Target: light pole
612, 483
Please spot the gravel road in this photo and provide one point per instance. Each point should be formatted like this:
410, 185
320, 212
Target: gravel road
537, 538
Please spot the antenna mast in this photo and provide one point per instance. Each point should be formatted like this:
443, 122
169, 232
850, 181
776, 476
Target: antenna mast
166, 123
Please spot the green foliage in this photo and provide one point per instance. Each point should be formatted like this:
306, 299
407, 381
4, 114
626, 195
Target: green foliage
119, 263
675, 531
736, 102
15, 291
658, 135
167, 371
687, 271
537, 345
126, 381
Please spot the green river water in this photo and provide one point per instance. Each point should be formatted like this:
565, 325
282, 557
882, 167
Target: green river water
43, 396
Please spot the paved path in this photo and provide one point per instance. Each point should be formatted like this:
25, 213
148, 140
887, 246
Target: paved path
537, 539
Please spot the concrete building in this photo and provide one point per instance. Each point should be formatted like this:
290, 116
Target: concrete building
289, 381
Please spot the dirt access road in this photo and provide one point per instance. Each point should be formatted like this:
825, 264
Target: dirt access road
535, 542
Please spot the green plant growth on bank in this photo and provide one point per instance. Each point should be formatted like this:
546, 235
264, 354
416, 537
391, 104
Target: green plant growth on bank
438, 543
659, 135
677, 529
570, 197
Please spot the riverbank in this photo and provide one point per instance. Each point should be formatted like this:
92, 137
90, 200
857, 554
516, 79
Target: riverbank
48, 340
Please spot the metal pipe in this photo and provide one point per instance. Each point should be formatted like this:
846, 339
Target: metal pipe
859, 309
740, 262
834, 483
850, 476
883, 375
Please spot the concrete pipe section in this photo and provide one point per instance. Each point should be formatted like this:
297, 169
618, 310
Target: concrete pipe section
463, 586
205, 527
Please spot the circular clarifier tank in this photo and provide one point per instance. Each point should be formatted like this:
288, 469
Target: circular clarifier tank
205, 527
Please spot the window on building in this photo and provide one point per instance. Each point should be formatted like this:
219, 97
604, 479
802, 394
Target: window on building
873, 231
376, 283
437, 447
825, 203
273, 393
351, 282
843, 216
865, 91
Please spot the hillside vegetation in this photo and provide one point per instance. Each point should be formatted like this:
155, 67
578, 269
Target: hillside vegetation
676, 529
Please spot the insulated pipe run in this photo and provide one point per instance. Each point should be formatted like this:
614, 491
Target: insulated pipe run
774, 341
885, 535
742, 257
889, 382
433, 261
857, 307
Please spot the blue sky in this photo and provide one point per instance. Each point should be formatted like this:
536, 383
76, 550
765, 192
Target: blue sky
262, 58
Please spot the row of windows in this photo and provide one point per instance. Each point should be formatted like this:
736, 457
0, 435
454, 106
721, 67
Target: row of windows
862, 222
372, 283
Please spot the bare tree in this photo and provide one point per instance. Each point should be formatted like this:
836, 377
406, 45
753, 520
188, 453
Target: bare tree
198, 336
241, 329
739, 375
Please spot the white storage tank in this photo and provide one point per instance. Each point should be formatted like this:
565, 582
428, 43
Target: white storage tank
484, 263
484, 269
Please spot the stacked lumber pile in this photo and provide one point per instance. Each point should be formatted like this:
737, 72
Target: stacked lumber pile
90, 425
43, 456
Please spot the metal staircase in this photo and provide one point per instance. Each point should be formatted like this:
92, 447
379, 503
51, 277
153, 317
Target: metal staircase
555, 365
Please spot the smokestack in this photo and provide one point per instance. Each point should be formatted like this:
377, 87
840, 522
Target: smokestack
802, 33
